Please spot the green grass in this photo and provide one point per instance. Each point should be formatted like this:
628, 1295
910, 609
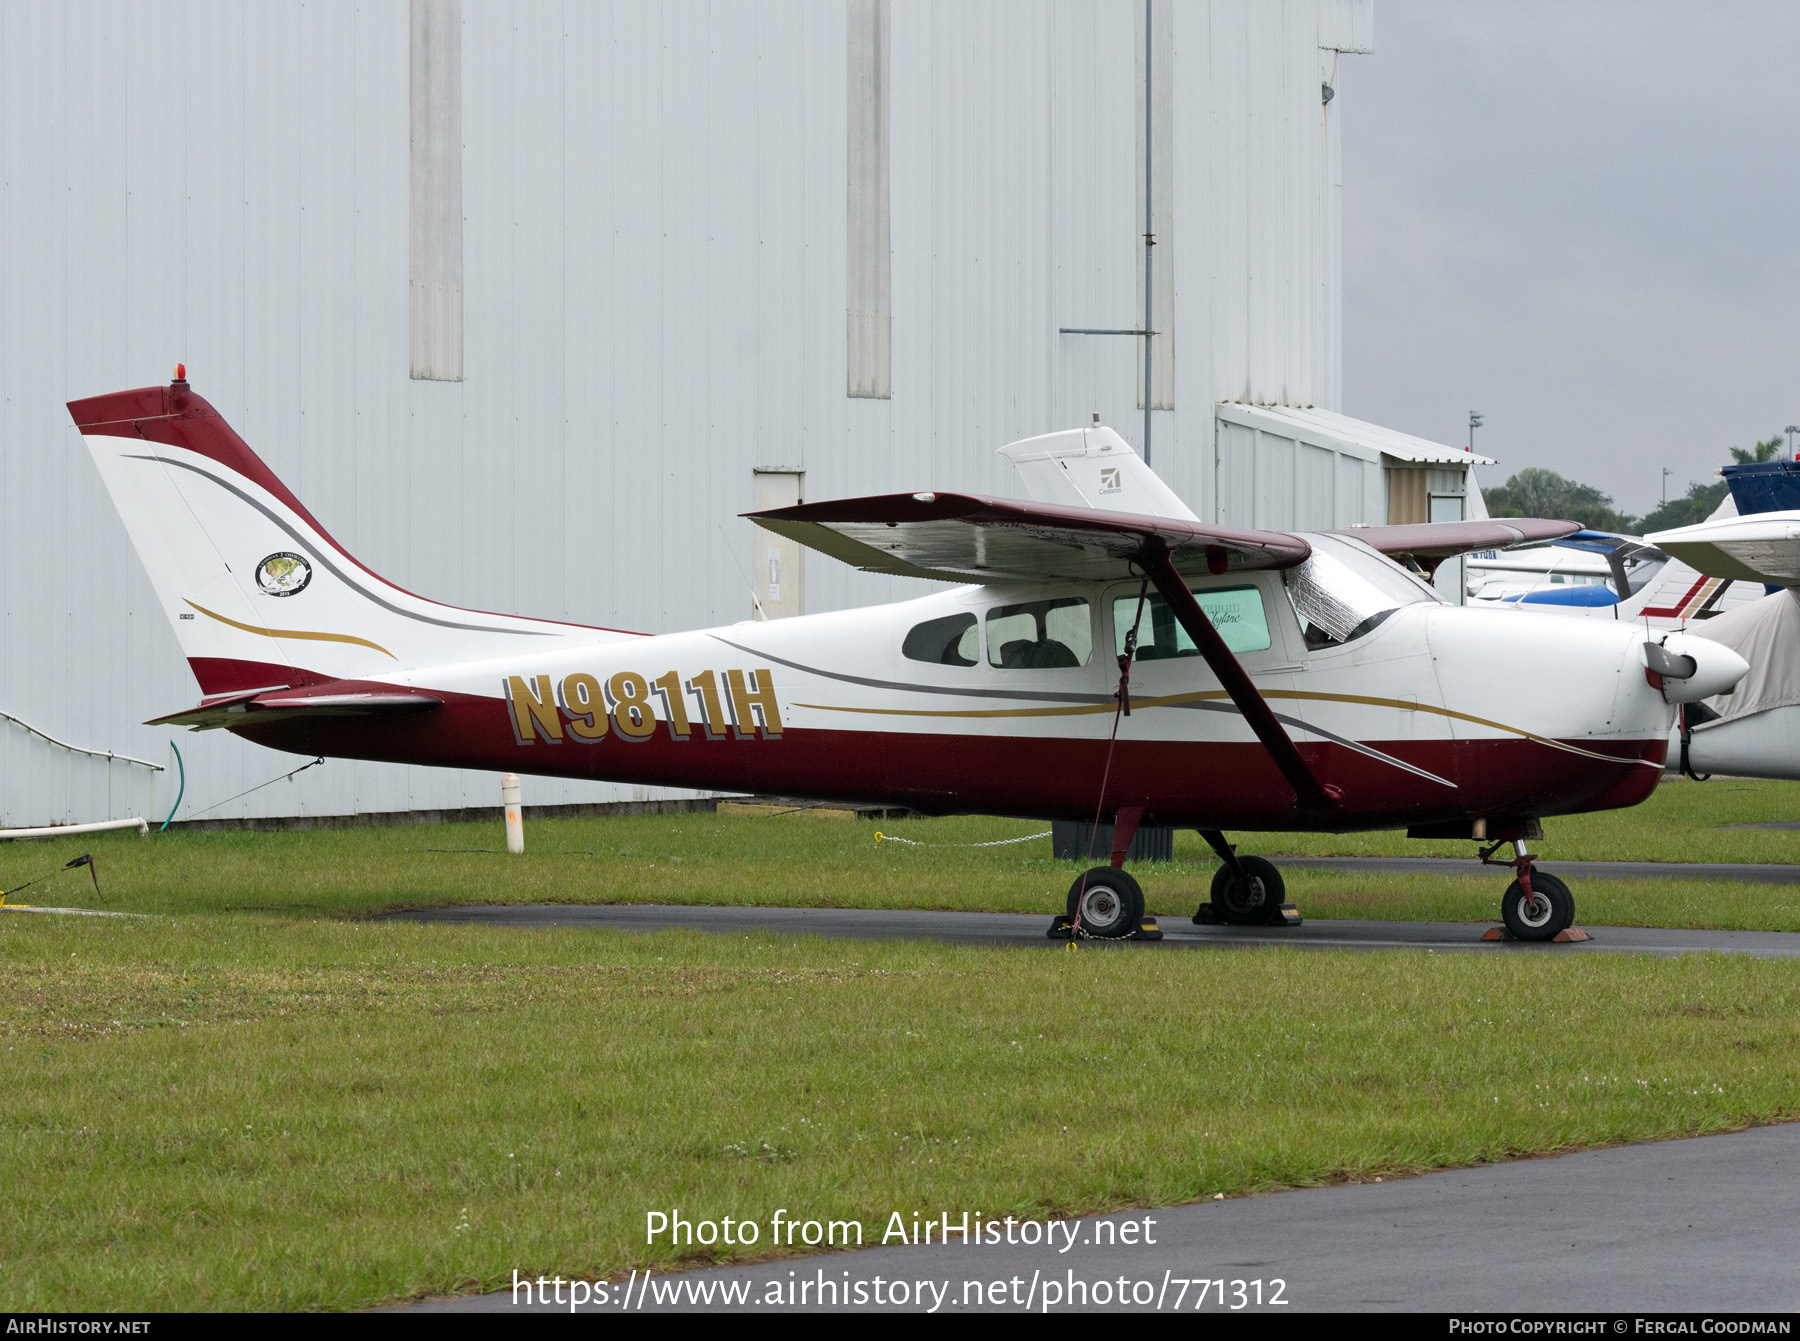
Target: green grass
240, 1111
808, 862
255, 1099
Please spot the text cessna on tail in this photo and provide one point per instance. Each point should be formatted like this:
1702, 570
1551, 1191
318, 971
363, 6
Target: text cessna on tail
1103, 653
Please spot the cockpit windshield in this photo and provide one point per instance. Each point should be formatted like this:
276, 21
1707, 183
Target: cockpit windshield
1346, 588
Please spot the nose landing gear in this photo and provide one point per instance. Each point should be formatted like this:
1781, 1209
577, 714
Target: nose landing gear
1536, 906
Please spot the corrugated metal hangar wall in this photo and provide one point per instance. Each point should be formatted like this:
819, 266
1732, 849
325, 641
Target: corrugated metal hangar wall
518, 298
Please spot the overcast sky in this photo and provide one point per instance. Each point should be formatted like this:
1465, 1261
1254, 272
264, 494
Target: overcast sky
1579, 219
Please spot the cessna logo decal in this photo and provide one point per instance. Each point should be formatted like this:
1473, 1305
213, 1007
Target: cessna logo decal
283, 574
1109, 480
631, 707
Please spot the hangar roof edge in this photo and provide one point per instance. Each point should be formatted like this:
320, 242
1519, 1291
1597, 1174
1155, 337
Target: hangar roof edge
1328, 428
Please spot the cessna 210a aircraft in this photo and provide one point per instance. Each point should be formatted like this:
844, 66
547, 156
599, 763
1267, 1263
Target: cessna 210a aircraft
1101, 654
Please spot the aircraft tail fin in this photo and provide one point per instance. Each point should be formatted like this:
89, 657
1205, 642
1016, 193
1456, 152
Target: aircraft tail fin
259, 593
1093, 468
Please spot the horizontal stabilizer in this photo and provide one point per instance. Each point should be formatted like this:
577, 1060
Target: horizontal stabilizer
1764, 547
1445, 540
325, 700
969, 538
1092, 468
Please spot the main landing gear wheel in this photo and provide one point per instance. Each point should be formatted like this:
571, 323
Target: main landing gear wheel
1549, 911
1107, 903
1251, 899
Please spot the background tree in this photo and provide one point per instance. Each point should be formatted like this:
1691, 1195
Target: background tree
1696, 506
1701, 499
1536, 492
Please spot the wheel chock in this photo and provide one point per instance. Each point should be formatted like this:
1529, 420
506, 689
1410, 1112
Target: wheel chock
1567, 936
1207, 916
1061, 930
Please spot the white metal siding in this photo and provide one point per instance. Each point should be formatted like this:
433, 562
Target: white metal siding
1286, 483
654, 272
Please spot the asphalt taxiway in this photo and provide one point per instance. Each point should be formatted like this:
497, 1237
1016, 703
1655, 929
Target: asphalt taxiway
1708, 1224
1758, 873
1027, 929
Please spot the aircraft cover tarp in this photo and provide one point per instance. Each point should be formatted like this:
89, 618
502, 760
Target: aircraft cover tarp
1765, 633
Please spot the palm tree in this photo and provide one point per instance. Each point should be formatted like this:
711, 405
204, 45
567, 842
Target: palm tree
1763, 451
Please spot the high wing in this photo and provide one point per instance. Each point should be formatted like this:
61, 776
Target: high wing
970, 538
337, 699
1432, 542
1763, 547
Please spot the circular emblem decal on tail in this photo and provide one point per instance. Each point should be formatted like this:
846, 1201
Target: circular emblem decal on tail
283, 575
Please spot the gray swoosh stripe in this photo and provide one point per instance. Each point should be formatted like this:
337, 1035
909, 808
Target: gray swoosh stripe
327, 564
1045, 697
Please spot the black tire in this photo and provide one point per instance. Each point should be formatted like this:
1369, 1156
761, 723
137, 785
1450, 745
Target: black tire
1252, 899
1107, 903
1554, 913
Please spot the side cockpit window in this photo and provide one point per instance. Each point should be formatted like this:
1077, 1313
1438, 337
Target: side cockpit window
950, 641
1041, 635
1236, 612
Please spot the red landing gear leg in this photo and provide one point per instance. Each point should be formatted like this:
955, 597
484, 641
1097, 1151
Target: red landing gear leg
1125, 827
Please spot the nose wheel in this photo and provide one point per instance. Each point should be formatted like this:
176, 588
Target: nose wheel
1536, 906
1541, 912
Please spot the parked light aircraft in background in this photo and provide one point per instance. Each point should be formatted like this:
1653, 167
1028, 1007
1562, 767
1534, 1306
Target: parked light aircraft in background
1731, 579
1100, 653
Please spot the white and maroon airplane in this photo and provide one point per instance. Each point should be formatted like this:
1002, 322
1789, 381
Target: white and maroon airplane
1100, 654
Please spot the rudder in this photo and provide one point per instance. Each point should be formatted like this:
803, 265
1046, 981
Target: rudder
258, 592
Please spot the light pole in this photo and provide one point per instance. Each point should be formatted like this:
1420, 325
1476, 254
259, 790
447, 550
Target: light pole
1474, 423
1666, 473
1790, 430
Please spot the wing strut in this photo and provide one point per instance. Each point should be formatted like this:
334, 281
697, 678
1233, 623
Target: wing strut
1313, 794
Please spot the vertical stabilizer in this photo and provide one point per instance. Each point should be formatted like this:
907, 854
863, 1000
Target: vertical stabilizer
1763, 486
258, 592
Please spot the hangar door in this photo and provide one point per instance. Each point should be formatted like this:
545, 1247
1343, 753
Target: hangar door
775, 571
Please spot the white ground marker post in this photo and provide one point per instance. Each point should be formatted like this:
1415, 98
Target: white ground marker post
515, 815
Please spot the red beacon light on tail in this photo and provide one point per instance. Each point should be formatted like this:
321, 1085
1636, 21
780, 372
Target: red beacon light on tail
180, 374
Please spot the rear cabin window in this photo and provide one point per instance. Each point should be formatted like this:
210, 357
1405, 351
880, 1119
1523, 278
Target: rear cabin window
950, 641
1041, 635
1236, 612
